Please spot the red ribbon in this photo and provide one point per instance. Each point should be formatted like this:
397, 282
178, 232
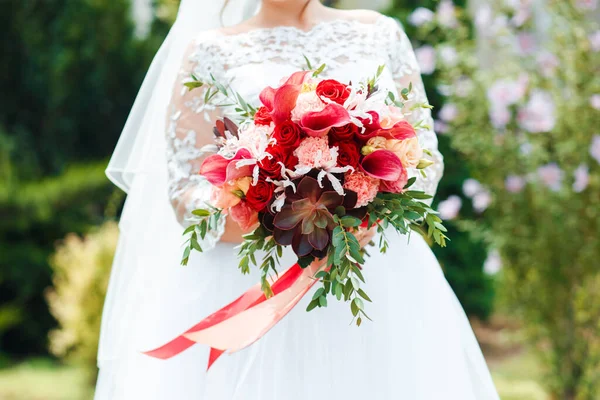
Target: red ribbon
247, 301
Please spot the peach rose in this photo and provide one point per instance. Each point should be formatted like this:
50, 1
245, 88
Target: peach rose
231, 193
244, 216
390, 118
375, 143
409, 151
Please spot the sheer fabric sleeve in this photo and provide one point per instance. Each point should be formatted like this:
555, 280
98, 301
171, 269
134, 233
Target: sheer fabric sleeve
405, 70
189, 129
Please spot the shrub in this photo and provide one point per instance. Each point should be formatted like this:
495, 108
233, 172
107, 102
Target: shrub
81, 269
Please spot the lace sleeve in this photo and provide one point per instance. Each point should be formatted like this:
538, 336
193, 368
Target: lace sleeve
189, 129
405, 70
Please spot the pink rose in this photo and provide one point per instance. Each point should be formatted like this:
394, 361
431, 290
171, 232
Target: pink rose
244, 216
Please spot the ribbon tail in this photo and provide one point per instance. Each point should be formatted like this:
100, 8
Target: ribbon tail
214, 356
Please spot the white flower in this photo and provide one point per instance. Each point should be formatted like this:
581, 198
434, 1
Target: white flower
306, 102
514, 183
446, 14
506, 92
538, 114
594, 39
471, 187
582, 178
493, 263
548, 63
551, 175
483, 17
463, 86
595, 148
526, 148
481, 201
595, 101
448, 55
448, 112
426, 59
450, 207
526, 42
421, 16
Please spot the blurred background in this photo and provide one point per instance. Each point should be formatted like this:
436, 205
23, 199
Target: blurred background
516, 90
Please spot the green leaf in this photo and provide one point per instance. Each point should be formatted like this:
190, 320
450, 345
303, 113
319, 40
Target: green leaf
323, 301
354, 308
308, 64
312, 305
201, 212
318, 293
358, 321
350, 222
364, 295
359, 303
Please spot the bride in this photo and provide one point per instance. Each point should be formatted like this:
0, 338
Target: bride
419, 345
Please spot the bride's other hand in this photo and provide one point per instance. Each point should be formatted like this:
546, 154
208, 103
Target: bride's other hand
233, 232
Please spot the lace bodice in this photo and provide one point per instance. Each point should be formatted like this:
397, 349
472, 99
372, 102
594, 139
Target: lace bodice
249, 61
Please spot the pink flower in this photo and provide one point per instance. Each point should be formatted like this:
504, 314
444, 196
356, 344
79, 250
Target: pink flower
500, 116
471, 187
395, 186
314, 152
493, 263
582, 178
551, 175
281, 101
481, 201
318, 123
388, 119
421, 16
446, 14
448, 112
538, 114
595, 101
587, 5
527, 43
595, 148
426, 59
441, 126
507, 92
384, 165
450, 207
365, 187
548, 63
244, 216
306, 102
594, 39
218, 169
514, 183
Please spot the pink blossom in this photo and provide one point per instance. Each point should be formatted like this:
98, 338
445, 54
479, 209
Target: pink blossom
426, 59
551, 175
595, 148
306, 102
588, 5
446, 14
314, 152
500, 116
538, 115
448, 112
450, 207
481, 201
421, 16
471, 187
507, 92
526, 42
548, 63
595, 101
441, 126
463, 86
594, 39
493, 263
448, 55
514, 183
365, 187
244, 215
582, 178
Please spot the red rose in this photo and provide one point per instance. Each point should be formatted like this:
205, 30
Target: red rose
343, 133
287, 134
262, 116
270, 167
260, 195
348, 154
333, 90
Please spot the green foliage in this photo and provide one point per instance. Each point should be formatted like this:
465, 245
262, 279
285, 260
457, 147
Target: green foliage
81, 268
463, 260
69, 74
547, 228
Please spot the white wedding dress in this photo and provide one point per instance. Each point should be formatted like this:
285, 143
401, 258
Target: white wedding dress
419, 345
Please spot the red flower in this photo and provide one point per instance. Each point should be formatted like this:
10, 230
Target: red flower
382, 164
401, 130
342, 133
218, 169
262, 116
281, 101
395, 186
333, 90
318, 123
287, 134
271, 167
348, 154
260, 195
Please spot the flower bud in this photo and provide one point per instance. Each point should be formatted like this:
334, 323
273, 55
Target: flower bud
424, 163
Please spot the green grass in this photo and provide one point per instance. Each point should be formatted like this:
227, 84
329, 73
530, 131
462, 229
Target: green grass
517, 378
43, 380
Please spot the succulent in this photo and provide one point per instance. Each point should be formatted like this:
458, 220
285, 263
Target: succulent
306, 220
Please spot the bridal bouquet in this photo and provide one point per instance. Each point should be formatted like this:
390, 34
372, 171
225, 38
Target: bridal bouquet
314, 167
